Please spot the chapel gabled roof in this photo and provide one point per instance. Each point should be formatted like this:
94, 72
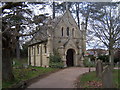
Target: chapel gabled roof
42, 35
54, 22
39, 37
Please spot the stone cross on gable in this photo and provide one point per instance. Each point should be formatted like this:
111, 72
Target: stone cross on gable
66, 5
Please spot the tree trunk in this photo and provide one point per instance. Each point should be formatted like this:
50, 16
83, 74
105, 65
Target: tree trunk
86, 22
77, 14
29, 56
17, 43
7, 74
0, 59
18, 50
111, 50
111, 58
87, 17
53, 10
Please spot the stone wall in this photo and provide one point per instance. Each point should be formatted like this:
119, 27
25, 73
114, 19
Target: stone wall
38, 55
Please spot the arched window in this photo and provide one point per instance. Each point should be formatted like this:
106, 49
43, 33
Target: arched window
38, 49
62, 31
45, 48
32, 50
73, 32
67, 31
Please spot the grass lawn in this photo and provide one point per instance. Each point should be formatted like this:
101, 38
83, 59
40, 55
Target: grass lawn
89, 80
22, 74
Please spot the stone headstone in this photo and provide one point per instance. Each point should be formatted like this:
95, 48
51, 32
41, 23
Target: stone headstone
107, 78
13, 62
89, 60
25, 66
99, 68
118, 65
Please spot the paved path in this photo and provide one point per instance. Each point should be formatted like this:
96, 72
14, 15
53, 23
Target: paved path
62, 79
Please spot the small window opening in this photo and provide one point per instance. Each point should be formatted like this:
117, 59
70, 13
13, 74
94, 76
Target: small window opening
62, 31
73, 32
67, 31
45, 49
38, 49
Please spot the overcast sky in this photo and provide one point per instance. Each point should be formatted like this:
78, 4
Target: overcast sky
48, 9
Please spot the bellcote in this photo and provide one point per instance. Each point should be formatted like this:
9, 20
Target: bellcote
82, 26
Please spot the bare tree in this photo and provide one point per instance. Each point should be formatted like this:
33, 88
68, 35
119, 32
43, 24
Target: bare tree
53, 10
77, 13
107, 27
103, 19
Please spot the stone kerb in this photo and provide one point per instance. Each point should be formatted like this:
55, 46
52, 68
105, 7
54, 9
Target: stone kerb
99, 68
107, 77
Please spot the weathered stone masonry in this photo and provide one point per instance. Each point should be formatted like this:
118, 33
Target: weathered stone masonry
64, 36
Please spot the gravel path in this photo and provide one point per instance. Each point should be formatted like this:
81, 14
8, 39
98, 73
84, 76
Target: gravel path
62, 79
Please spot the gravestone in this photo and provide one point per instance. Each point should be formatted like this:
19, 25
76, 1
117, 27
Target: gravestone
89, 61
107, 78
13, 63
99, 68
118, 64
25, 66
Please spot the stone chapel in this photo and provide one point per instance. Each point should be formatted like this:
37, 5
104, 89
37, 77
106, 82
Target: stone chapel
63, 35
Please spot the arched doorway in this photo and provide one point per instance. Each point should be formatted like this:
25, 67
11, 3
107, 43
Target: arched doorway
70, 57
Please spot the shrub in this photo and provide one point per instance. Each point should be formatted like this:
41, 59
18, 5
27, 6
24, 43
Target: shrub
87, 63
55, 60
116, 59
56, 65
92, 57
104, 58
